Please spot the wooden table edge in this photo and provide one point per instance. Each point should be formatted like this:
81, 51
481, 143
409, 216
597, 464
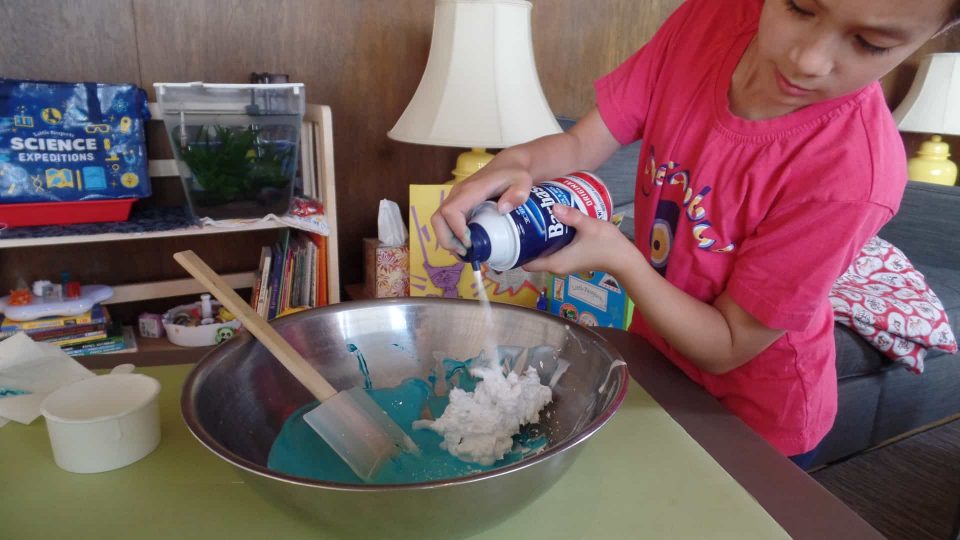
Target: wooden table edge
803, 507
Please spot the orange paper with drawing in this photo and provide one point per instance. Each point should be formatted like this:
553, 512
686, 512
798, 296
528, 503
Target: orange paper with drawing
435, 272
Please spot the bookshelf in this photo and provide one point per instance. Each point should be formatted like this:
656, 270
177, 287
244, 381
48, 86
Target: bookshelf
118, 236
150, 352
318, 171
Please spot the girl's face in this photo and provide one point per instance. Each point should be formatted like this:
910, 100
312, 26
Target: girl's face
813, 50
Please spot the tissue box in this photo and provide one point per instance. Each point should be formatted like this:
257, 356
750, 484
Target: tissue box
591, 299
387, 269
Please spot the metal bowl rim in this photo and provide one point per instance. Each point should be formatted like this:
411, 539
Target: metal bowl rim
207, 361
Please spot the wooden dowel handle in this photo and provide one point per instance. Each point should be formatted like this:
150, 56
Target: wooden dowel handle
260, 328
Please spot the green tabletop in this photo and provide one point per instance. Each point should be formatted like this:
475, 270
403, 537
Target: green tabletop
641, 475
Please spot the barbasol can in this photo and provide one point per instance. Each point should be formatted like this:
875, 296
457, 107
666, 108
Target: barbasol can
506, 241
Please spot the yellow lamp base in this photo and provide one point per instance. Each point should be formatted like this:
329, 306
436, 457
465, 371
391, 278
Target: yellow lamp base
468, 163
931, 164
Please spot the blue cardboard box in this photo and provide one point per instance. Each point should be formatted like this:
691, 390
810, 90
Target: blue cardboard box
72, 141
591, 299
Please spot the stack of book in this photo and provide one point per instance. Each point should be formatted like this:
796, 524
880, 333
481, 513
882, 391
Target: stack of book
92, 332
292, 274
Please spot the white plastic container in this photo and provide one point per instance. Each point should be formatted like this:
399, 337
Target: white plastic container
103, 423
506, 241
202, 335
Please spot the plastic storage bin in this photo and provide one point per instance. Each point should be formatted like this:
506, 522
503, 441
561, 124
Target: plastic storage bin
64, 213
236, 145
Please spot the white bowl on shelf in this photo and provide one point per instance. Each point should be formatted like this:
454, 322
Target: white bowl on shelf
202, 335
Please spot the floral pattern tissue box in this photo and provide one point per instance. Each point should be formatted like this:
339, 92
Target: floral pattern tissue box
387, 269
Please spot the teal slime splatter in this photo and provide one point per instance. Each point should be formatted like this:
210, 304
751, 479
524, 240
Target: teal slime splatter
457, 373
367, 384
299, 451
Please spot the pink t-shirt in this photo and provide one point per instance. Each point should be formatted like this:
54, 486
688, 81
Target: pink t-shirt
771, 211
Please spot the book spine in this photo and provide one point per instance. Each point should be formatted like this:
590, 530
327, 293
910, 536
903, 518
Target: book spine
76, 340
275, 282
129, 341
117, 335
312, 274
282, 271
263, 302
287, 281
66, 331
299, 270
94, 344
106, 347
258, 283
321, 272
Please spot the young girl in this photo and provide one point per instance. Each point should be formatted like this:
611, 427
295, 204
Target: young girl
769, 157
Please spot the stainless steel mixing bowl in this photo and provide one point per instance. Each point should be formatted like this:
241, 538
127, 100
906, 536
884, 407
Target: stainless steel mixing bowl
237, 397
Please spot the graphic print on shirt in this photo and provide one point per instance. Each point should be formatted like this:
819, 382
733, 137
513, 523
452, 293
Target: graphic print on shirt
674, 198
661, 235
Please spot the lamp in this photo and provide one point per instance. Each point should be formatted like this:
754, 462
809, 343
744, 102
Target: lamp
480, 88
933, 106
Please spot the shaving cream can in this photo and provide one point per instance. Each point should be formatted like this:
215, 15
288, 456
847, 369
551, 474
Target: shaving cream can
510, 240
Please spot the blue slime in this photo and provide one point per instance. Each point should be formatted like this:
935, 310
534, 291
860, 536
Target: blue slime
299, 451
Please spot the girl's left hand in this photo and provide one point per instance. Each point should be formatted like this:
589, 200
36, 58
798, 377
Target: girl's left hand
597, 246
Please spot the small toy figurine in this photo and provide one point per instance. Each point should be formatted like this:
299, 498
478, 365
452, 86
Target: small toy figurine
42, 288
20, 297
224, 333
206, 308
542, 300
151, 325
73, 289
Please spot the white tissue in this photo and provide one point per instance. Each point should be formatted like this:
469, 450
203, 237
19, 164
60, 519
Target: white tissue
36, 368
390, 228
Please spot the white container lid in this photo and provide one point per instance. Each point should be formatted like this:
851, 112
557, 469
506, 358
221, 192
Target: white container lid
224, 98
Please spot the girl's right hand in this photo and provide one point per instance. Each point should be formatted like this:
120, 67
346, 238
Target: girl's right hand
503, 176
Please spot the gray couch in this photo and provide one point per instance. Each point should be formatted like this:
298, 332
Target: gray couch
877, 398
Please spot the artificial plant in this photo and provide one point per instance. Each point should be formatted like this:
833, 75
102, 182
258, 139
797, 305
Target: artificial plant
235, 165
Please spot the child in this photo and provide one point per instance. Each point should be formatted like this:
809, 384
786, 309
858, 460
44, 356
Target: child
769, 157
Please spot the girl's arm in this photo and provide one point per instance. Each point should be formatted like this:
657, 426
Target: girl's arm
514, 170
716, 337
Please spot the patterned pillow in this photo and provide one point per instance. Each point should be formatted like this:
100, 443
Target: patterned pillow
885, 300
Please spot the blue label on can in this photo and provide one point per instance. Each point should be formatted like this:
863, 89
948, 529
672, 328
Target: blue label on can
539, 231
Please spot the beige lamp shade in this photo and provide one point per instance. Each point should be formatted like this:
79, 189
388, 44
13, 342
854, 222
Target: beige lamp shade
933, 103
480, 87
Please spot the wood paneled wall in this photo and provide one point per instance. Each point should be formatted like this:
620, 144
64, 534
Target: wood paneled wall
364, 58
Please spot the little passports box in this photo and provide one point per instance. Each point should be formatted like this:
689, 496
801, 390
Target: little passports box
591, 299
71, 141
